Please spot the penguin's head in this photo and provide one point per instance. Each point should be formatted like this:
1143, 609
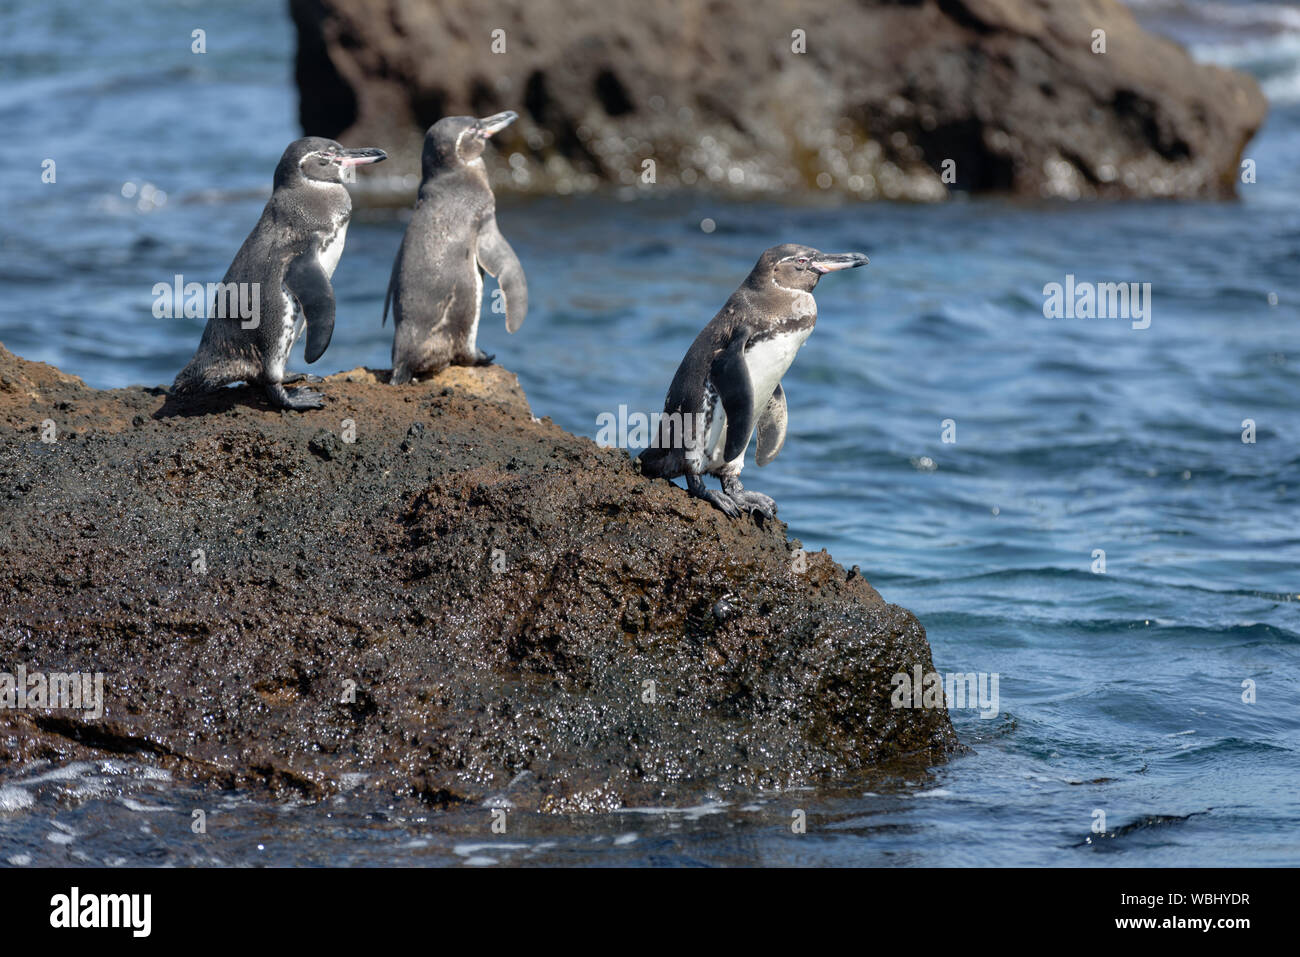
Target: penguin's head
319, 160
459, 140
797, 268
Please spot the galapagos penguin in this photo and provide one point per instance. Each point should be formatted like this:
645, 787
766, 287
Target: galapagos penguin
289, 258
729, 384
436, 288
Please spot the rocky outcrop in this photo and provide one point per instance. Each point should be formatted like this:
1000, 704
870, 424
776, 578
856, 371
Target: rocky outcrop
427, 590
870, 99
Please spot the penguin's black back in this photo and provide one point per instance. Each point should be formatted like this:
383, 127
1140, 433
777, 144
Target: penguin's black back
298, 219
438, 249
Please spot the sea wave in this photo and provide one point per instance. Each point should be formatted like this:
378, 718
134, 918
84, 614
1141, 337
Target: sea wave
1262, 39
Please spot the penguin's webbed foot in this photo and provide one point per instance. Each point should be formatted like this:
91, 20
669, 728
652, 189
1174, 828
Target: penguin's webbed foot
719, 500
299, 400
301, 377
764, 505
481, 358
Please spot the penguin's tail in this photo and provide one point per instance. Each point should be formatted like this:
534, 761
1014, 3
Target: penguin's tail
666, 457
187, 381
202, 375
657, 462
647, 463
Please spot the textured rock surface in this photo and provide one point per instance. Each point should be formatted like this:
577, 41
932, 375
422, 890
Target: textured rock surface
499, 591
1010, 90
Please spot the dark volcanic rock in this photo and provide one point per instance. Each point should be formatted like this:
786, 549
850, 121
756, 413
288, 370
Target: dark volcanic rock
715, 95
426, 586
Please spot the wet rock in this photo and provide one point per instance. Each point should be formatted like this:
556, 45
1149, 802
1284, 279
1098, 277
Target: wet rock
325, 444
871, 99
726, 607
503, 612
413, 435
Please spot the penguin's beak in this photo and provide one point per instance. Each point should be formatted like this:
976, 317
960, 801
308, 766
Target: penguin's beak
496, 123
361, 157
831, 262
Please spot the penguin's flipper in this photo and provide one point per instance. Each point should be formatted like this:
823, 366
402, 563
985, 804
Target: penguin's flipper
392, 283
499, 260
730, 378
306, 279
771, 428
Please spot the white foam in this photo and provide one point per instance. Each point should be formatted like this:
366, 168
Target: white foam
1283, 89
14, 799
133, 805
65, 773
690, 813
465, 850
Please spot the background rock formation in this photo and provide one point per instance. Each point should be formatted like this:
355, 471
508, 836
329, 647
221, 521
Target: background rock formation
499, 591
712, 92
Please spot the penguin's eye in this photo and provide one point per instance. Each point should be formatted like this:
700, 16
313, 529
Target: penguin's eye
803, 260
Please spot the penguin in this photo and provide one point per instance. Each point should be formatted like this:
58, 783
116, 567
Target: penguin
436, 287
289, 259
728, 387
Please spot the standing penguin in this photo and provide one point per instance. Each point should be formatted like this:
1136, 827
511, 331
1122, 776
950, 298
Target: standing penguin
729, 384
289, 258
436, 288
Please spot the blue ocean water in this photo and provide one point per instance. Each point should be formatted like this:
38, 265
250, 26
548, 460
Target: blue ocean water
1119, 692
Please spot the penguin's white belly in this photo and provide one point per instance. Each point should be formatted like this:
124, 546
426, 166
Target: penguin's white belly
471, 341
332, 251
767, 362
716, 436
292, 323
